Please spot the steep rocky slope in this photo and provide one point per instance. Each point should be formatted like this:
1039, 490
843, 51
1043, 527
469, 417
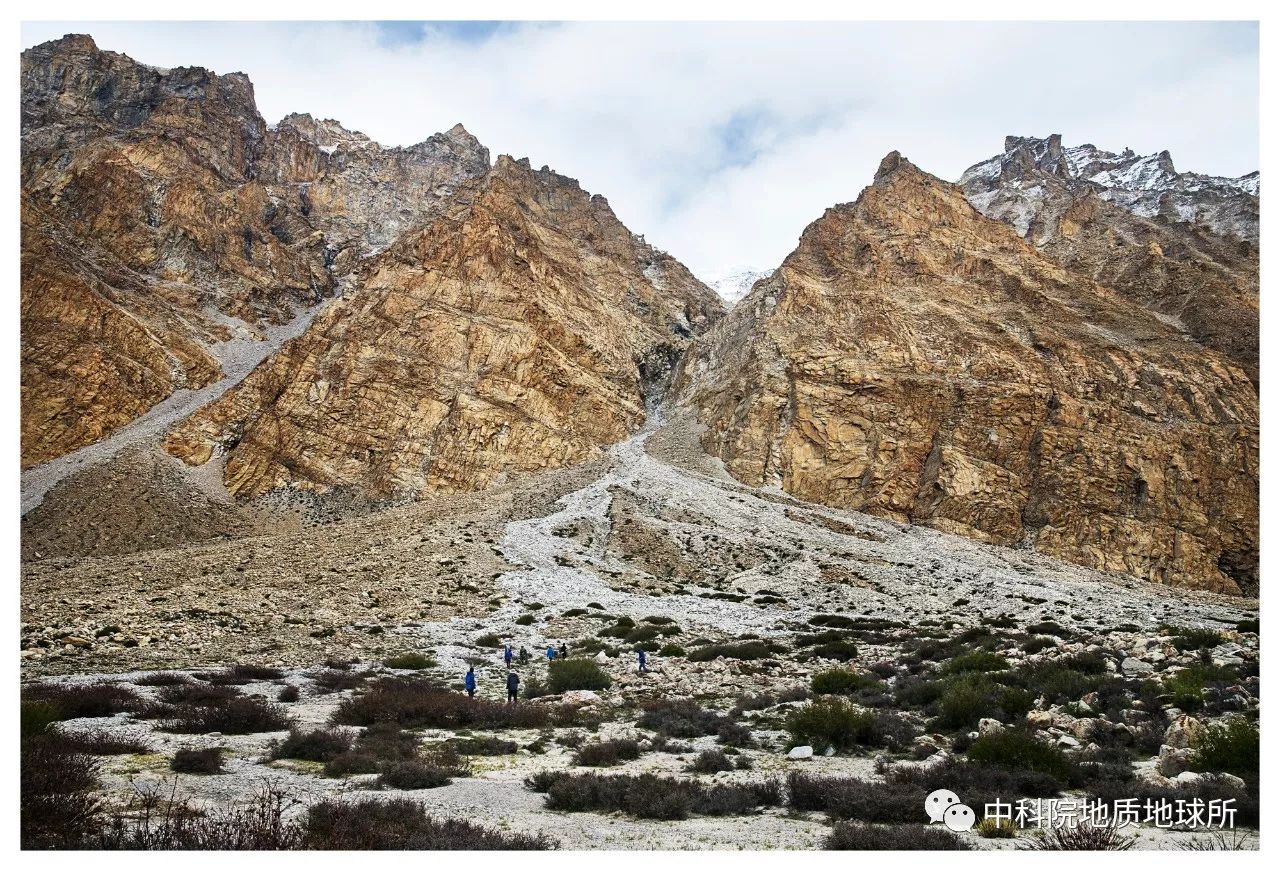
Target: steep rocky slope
1182, 245
162, 217
916, 360
522, 330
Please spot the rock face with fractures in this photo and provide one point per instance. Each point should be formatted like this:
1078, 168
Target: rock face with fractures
161, 216
1182, 245
916, 360
522, 330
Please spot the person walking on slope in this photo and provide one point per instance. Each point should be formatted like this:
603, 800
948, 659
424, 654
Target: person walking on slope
470, 682
642, 659
551, 653
507, 655
564, 650
524, 656
513, 684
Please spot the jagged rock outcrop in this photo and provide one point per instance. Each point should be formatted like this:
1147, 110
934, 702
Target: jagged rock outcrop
1182, 245
913, 359
162, 217
521, 330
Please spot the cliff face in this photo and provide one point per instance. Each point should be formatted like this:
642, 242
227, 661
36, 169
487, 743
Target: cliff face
916, 360
520, 331
162, 217
1182, 245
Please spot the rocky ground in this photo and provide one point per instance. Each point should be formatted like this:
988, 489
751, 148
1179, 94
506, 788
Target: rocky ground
657, 547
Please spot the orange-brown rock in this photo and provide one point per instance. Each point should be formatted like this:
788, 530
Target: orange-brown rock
162, 216
522, 330
916, 360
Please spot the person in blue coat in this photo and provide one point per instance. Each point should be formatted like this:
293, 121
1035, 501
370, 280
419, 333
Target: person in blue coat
508, 655
470, 681
551, 653
642, 659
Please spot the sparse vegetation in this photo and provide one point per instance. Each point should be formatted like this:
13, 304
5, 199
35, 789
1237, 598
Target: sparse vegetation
576, 674
605, 753
191, 761
410, 662
861, 836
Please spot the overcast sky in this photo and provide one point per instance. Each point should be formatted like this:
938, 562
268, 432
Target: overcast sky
720, 142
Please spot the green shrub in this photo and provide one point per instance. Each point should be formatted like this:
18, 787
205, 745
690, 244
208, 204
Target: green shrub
1186, 687
711, 762
994, 828
401, 824
967, 698
576, 674
842, 682
1196, 639
1048, 627
1230, 747
837, 621
238, 716
841, 651
489, 639
978, 660
604, 753
524, 620
832, 722
1038, 643
72, 701
1248, 625
409, 661
1018, 749
671, 650
741, 650
36, 717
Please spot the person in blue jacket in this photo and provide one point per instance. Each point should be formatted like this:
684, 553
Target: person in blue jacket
551, 653
508, 655
643, 659
470, 681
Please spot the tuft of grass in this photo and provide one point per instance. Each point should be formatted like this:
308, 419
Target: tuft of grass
997, 829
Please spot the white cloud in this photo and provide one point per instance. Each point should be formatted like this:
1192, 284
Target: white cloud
720, 142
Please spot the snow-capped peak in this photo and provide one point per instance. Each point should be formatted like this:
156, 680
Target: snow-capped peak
733, 285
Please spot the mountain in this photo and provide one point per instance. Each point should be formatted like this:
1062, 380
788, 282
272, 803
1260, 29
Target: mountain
164, 223
1182, 246
916, 360
734, 285
522, 330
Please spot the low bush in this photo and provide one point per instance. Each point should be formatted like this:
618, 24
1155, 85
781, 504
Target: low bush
1248, 625
1038, 643
840, 651
35, 718
1186, 687
1081, 837
333, 680
997, 829
1048, 627
409, 661
842, 682
288, 694
413, 774
680, 718
604, 753
238, 716
524, 620
576, 674
1015, 748
711, 762
741, 650
483, 746
191, 761
100, 742
1230, 747
413, 703
58, 800
244, 673
967, 698
831, 721
72, 701
162, 679
401, 824
837, 621
978, 660
671, 650
197, 694
316, 745
491, 639
648, 796
861, 836
735, 734
1195, 639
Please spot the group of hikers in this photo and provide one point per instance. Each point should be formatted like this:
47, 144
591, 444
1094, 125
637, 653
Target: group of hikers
513, 680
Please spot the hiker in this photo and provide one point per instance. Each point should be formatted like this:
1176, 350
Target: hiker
513, 684
508, 654
524, 655
643, 659
564, 650
551, 653
470, 681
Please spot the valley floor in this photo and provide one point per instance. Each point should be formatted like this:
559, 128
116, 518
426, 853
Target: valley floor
655, 530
